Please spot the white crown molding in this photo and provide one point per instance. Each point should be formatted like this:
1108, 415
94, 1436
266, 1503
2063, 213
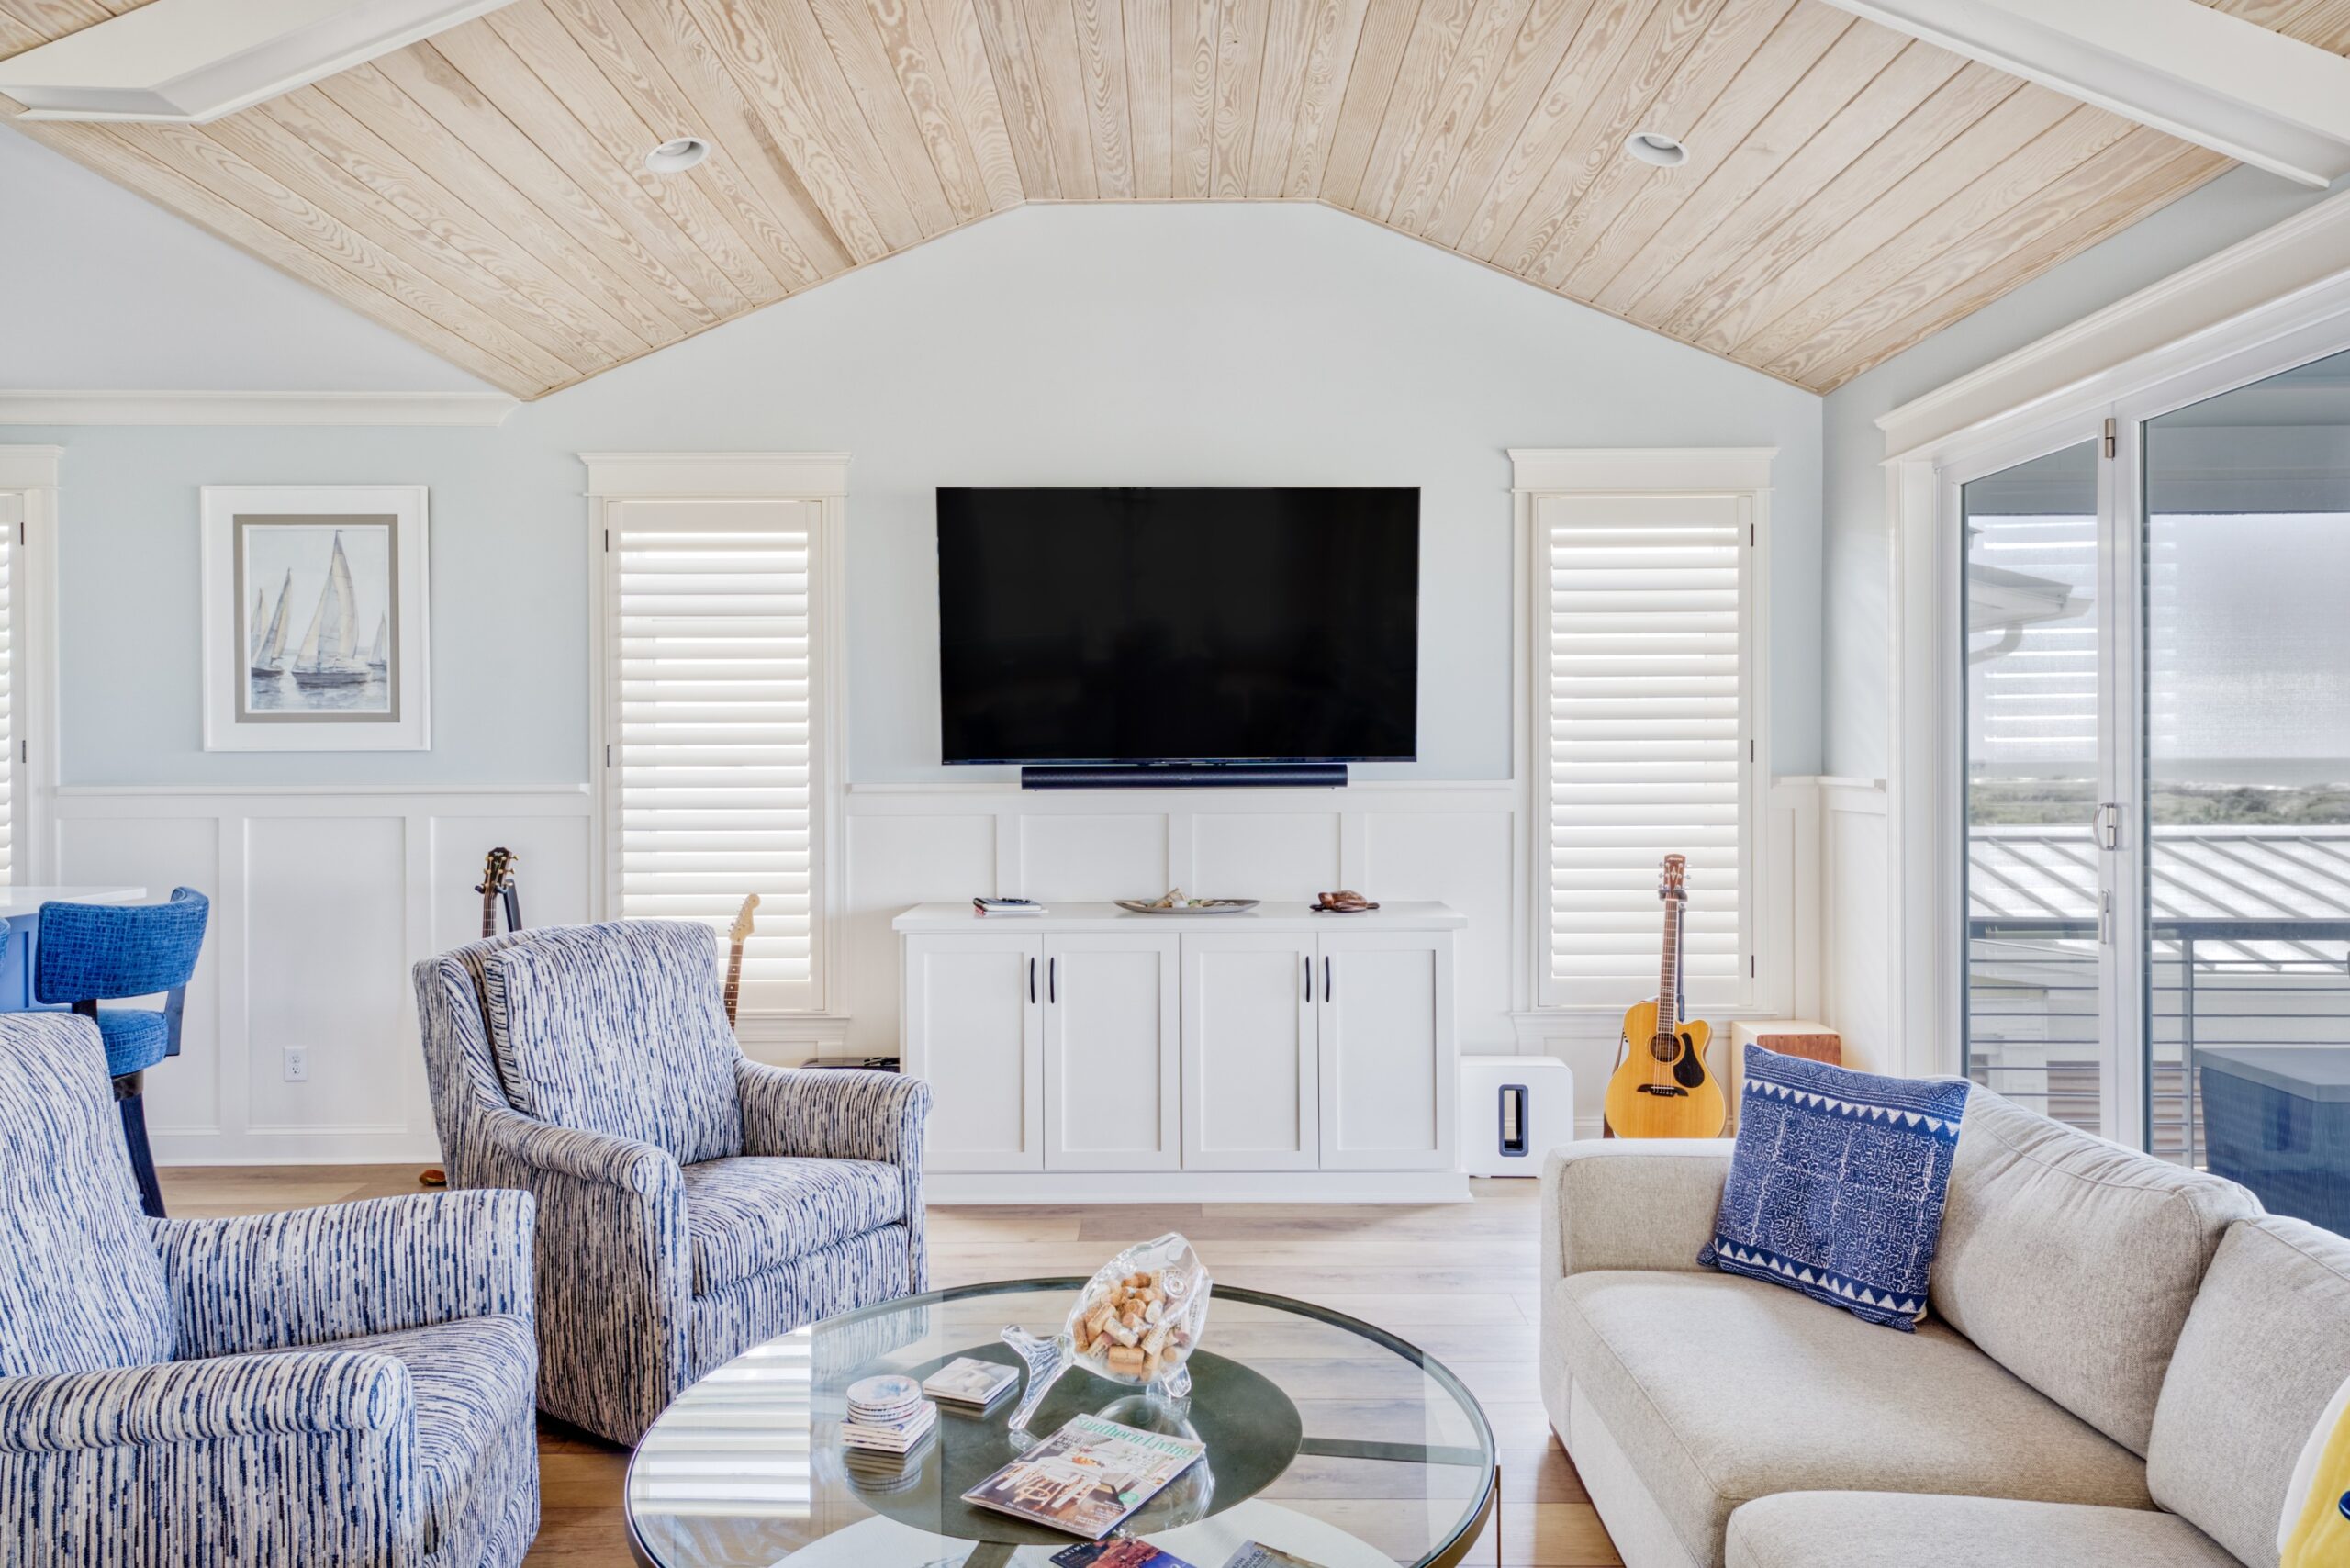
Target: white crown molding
745, 475
470, 409
2277, 281
30, 467
1676, 470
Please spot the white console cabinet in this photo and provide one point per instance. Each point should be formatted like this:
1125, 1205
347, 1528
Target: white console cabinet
1094, 1055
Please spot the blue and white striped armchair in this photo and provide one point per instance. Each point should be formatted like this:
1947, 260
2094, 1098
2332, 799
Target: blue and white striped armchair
348, 1385
691, 1203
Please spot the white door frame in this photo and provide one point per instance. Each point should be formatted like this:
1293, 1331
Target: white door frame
1926, 882
28, 505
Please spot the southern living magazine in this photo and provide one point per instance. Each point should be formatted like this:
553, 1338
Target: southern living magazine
1087, 1477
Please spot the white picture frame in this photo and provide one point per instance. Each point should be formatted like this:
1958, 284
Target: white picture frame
316, 621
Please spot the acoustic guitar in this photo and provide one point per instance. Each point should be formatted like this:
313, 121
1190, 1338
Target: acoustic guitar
498, 887
1661, 1089
740, 933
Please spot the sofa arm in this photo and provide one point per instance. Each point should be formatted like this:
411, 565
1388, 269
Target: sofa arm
832, 1114
511, 1138
1630, 1203
202, 1402
268, 1282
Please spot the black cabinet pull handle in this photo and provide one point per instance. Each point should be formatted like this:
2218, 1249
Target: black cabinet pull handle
1326, 976
1032, 982
1053, 981
1307, 960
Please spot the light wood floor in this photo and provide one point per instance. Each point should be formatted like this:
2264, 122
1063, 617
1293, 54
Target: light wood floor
1458, 1280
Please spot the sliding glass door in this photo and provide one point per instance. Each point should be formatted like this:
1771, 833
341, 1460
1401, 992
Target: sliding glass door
2155, 806
2032, 783
2245, 937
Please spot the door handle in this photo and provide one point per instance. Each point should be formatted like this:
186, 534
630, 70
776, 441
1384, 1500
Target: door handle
1053, 981
1032, 982
1307, 960
1326, 976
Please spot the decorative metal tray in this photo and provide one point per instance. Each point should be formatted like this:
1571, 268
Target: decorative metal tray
1201, 906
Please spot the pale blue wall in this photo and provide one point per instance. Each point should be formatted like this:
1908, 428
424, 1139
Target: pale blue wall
1857, 674
1113, 345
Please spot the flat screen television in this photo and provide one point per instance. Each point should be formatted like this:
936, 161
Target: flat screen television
1179, 625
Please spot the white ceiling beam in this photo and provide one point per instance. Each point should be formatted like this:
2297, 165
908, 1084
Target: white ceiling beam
2198, 74
187, 61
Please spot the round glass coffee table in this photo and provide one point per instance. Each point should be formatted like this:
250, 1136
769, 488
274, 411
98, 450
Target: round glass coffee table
1326, 1438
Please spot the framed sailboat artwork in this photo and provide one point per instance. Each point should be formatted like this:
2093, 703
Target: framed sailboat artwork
315, 620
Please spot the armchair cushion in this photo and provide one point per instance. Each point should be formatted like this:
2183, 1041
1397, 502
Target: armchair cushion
618, 1028
474, 1382
746, 1216
81, 1287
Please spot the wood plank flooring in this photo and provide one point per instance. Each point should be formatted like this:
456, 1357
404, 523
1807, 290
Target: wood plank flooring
1458, 1280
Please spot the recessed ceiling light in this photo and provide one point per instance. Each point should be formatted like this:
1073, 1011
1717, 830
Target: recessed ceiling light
1655, 147
677, 155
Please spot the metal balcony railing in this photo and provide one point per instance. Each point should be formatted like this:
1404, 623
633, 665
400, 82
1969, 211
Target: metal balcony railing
2032, 1009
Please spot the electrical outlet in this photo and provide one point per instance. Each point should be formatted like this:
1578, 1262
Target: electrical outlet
298, 1065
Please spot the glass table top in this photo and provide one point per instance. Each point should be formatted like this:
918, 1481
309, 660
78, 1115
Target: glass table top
1326, 1438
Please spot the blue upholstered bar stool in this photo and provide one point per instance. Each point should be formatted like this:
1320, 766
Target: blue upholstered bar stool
89, 953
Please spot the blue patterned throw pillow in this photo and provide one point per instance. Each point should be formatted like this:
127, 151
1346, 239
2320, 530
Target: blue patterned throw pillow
1836, 1185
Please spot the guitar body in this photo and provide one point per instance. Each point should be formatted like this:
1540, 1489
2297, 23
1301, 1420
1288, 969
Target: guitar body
1668, 1096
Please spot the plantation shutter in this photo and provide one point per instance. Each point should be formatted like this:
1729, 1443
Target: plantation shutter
713, 761
1645, 715
12, 750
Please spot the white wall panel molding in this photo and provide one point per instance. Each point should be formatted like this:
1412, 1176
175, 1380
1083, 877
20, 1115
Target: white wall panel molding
321, 900
80, 407
2287, 278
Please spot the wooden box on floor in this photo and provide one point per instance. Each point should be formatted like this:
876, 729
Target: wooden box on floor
1788, 1037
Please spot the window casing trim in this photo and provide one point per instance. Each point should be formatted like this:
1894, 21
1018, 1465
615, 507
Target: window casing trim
617, 478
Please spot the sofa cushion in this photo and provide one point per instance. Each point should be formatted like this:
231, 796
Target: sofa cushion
2072, 1261
80, 1284
618, 1028
476, 1384
746, 1215
2265, 1347
1836, 1185
1722, 1390
1802, 1530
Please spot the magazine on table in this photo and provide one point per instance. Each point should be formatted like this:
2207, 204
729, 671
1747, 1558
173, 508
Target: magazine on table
1087, 1477
1129, 1553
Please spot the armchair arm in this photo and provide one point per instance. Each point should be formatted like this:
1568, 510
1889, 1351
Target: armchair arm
832, 1114
267, 1281
245, 1461
1630, 1203
614, 1295
298, 1392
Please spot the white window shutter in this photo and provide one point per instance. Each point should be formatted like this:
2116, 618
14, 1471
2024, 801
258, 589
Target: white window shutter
711, 782
1645, 718
12, 749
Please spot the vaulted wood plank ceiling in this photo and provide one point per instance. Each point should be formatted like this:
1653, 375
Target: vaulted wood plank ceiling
1847, 191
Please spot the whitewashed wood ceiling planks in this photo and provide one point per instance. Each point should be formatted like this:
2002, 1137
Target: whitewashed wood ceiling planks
1847, 191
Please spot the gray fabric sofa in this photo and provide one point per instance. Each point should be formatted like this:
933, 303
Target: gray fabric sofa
2121, 1364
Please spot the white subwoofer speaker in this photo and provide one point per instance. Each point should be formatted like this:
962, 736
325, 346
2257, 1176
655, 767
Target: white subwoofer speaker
1514, 1110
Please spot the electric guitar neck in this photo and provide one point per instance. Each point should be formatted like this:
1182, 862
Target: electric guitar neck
735, 937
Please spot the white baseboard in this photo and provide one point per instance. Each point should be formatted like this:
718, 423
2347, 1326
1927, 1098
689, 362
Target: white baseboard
1063, 1187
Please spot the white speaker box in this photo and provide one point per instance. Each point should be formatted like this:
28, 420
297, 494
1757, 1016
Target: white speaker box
1514, 1110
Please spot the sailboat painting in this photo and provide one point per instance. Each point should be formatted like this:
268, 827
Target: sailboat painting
321, 644
317, 626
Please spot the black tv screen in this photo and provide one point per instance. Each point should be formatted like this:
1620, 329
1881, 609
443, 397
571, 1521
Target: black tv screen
1179, 625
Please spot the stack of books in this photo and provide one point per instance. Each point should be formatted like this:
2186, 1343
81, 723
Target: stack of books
1007, 906
970, 1386
887, 1414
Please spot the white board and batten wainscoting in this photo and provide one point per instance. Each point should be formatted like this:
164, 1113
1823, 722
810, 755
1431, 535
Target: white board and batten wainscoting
1089, 1053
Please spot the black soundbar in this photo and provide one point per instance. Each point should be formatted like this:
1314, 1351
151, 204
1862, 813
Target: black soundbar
1186, 776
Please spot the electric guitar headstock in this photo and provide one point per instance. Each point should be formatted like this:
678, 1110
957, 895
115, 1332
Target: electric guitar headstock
741, 929
736, 936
